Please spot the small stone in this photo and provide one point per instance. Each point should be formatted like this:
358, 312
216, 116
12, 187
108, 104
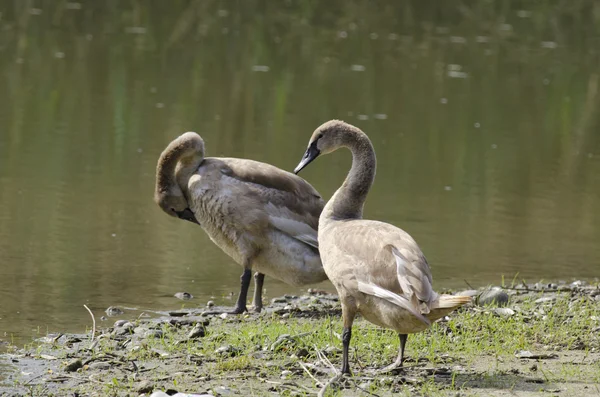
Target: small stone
285, 373
73, 365
545, 300
210, 304
223, 316
120, 323
124, 329
145, 386
159, 353
178, 313
153, 333
302, 353
504, 311
197, 332
228, 350
114, 311
492, 296
100, 365
281, 299
184, 296
525, 354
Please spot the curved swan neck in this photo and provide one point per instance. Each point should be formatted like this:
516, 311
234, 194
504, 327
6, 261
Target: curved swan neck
178, 162
349, 199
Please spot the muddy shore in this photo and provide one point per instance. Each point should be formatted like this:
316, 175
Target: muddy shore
538, 339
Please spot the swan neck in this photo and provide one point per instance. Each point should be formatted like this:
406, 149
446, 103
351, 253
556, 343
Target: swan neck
176, 165
348, 201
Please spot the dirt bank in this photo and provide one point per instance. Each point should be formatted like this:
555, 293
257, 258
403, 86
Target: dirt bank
534, 340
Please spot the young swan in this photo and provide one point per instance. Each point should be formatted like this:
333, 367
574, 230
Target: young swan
263, 217
378, 269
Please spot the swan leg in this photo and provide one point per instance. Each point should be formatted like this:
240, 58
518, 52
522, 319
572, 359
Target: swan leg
400, 359
240, 305
259, 279
348, 318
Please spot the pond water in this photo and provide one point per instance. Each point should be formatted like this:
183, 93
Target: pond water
484, 117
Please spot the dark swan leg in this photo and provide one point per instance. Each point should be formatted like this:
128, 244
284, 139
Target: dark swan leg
400, 359
259, 280
348, 318
240, 305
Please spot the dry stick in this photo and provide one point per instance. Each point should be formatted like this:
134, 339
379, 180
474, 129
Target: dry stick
309, 374
330, 382
364, 390
338, 375
93, 324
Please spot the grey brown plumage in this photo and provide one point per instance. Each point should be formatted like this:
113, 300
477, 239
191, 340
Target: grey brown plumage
378, 269
265, 218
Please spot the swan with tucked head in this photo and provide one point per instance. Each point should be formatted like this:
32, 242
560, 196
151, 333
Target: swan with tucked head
263, 217
378, 269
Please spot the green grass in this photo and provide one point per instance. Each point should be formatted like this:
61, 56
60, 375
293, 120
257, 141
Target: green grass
475, 339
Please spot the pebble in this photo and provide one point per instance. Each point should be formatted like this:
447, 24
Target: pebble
197, 332
281, 299
228, 350
184, 296
285, 373
100, 365
302, 352
178, 313
492, 296
154, 333
114, 311
145, 386
210, 304
124, 329
545, 300
73, 365
504, 311
529, 355
120, 323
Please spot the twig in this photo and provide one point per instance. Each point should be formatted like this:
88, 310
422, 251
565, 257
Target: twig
93, 324
323, 358
309, 374
469, 285
337, 376
34, 378
330, 382
364, 390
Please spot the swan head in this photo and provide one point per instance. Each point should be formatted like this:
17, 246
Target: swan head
328, 137
176, 205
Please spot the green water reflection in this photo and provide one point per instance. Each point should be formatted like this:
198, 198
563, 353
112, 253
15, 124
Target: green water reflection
484, 117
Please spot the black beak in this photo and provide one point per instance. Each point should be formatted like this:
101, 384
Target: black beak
311, 153
187, 215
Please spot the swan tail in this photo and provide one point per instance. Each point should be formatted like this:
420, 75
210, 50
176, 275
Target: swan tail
450, 301
398, 300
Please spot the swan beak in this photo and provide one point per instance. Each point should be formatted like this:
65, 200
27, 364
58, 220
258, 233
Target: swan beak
187, 215
311, 153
